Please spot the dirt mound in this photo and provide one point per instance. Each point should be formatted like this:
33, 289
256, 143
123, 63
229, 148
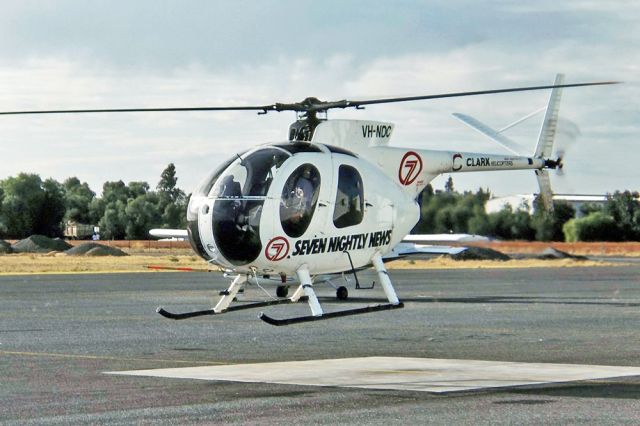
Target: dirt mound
551, 253
101, 250
5, 247
40, 244
82, 249
94, 249
479, 253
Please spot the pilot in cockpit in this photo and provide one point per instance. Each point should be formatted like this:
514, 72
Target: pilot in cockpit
302, 194
230, 188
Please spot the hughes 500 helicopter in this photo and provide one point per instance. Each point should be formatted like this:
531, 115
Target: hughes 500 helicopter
333, 198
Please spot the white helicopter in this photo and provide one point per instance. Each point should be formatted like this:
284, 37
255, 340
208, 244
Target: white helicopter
333, 198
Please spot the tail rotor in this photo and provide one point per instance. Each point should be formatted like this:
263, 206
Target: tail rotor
544, 148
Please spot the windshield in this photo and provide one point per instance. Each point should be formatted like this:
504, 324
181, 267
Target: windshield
249, 176
239, 195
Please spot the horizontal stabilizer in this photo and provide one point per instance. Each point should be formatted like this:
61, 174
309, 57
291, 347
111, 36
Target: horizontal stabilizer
169, 233
501, 139
411, 249
444, 238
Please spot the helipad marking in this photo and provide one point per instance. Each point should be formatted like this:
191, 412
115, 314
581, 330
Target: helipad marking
415, 374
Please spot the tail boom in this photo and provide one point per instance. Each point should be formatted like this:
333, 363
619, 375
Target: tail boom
413, 169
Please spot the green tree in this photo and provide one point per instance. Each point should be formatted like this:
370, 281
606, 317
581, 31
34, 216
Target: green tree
113, 224
137, 189
167, 186
97, 207
448, 186
3, 226
111, 209
172, 200
597, 226
501, 223
588, 208
174, 216
78, 197
624, 208
114, 191
479, 222
443, 212
52, 210
548, 225
21, 205
142, 214
444, 220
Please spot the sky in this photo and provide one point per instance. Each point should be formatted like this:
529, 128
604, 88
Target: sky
68, 54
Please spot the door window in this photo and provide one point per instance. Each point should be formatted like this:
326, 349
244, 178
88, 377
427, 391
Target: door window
299, 199
349, 199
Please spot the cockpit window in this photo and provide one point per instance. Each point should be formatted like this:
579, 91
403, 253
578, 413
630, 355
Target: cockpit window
299, 199
250, 175
349, 199
205, 186
240, 193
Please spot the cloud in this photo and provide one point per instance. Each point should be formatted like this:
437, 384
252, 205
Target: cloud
376, 52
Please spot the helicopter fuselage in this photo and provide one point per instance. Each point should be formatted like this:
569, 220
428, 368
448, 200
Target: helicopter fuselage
321, 203
328, 206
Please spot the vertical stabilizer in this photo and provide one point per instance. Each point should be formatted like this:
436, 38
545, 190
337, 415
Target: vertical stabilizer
546, 194
545, 141
550, 123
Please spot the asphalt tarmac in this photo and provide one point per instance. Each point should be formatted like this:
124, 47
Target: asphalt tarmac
60, 334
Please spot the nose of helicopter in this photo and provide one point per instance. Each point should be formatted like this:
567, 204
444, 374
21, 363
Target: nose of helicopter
225, 230
193, 229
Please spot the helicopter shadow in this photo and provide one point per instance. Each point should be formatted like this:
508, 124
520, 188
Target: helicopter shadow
521, 300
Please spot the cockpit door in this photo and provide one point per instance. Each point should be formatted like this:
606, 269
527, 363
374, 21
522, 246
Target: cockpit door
305, 195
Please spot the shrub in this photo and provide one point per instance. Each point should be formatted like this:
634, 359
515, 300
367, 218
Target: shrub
597, 226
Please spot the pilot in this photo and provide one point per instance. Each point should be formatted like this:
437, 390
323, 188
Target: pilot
303, 192
230, 188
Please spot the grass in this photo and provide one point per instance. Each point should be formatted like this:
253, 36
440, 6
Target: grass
60, 263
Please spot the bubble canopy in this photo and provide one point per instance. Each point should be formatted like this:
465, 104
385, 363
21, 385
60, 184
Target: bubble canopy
238, 189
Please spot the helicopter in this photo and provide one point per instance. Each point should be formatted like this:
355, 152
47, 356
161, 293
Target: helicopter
334, 197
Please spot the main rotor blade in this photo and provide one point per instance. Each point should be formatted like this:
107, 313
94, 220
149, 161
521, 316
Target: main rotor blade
264, 109
311, 104
347, 103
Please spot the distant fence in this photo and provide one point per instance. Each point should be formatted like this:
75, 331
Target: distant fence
509, 247
138, 244
580, 248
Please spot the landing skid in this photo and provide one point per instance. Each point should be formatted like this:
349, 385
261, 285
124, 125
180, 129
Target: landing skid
288, 321
317, 314
303, 292
194, 314
224, 303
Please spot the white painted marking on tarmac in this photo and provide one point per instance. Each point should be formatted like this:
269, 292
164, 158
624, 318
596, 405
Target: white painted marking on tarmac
414, 374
